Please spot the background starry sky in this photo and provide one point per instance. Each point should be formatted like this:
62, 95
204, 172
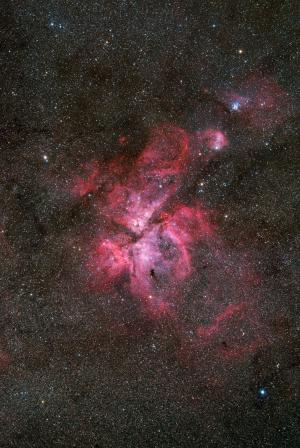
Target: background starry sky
77, 369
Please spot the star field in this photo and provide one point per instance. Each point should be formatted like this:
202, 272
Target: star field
149, 224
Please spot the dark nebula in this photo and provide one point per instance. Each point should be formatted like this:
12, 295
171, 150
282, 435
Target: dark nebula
149, 231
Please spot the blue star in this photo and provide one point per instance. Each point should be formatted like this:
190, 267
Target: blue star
56, 25
263, 392
235, 105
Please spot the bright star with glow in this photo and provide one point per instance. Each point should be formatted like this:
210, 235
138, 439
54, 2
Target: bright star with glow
263, 392
235, 105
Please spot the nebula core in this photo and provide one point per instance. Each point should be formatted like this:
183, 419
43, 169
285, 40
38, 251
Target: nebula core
153, 235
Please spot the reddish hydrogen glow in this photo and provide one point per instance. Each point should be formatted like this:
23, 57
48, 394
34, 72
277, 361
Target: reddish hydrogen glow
209, 140
150, 184
165, 254
151, 247
161, 258
107, 261
259, 102
5, 360
146, 242
221, 319
123, 139
87, 183
166, 153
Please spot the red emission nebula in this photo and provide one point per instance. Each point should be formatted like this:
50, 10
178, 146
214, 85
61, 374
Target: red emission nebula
148, 243
150, 246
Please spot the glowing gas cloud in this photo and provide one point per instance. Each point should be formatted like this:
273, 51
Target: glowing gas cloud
146, 243
151, 243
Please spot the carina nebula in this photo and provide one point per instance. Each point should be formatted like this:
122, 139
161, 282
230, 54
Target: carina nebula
150, 244
156, 246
